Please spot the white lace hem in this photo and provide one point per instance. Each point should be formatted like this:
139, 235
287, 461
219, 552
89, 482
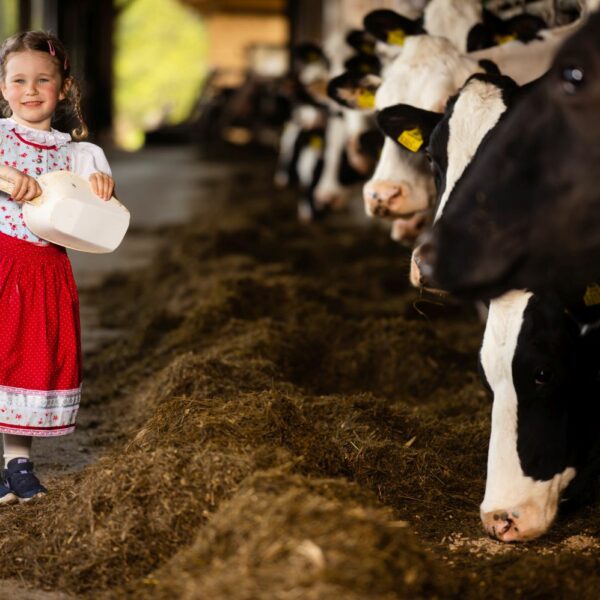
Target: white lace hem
38, 412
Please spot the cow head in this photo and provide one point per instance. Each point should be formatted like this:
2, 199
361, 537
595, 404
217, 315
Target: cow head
536, 221
391, 27
450, 141
361, 41
351, 139
428, 71
543, 377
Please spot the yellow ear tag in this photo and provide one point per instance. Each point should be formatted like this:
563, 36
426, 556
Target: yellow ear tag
316, 142
503, 39
411, 139
396, 37
365, 99
592, 295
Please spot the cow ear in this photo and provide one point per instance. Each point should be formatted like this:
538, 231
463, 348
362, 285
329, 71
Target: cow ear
354, 90
308, 54
363, 64
390, 27
489, 66
408, 126
480, 37
361, 41
525, 27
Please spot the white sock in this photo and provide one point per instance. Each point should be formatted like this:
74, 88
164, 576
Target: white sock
16, 446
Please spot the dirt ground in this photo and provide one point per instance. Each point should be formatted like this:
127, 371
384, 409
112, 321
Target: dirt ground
281, 418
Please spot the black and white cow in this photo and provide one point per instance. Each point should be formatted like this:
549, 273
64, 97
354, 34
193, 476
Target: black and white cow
310, 69
348, 159
429, 70
324, 148
536, 224
543, 375
464, 22
469, 119
424, 74
541, 371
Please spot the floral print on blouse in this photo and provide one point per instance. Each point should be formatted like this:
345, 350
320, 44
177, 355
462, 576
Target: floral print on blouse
35, 152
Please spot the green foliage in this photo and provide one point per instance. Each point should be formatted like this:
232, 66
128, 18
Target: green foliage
160, 62
8, 18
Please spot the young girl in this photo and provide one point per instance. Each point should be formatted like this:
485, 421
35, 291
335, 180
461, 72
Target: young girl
40, 349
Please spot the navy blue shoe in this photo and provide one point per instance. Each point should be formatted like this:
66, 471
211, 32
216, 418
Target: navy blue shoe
18, 477
7, 496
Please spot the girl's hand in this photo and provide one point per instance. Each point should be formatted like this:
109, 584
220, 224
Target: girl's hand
102, 185
25, 188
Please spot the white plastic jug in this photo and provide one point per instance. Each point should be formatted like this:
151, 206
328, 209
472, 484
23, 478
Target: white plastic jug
69, 214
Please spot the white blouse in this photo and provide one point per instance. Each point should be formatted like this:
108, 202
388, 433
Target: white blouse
86, 158
35, 152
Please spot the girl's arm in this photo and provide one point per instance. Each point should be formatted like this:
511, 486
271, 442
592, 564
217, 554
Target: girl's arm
21, 187
90, 163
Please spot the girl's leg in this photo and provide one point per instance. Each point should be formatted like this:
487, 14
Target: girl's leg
16, 446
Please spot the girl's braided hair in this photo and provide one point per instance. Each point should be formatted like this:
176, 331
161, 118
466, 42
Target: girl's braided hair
41, 41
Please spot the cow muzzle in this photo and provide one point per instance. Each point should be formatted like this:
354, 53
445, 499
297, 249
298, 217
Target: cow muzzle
390, 200
420, 272
329, 199
520, 523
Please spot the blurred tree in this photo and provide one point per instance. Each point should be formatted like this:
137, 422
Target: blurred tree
160, 63
9, 18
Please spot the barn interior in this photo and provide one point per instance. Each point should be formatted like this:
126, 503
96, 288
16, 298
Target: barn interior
270, 410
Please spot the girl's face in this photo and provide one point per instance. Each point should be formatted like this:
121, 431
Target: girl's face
32, 87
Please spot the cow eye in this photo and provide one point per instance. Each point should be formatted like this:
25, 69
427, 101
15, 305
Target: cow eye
428, 156
572, 79
543, 376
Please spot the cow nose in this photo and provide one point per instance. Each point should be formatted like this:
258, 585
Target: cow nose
416, 276
518, 524
329, 199
386, 199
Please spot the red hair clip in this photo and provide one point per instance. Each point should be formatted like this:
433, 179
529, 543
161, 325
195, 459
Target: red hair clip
51, 48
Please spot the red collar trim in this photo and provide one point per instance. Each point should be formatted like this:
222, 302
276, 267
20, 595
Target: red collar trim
33, 143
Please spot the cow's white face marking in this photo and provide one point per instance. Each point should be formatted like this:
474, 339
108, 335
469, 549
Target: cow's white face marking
429, 70
308, 117
396, 165
286, 151
477, 110
507, 487
452, 19
336, 137
307, 163
340, 129
425, 74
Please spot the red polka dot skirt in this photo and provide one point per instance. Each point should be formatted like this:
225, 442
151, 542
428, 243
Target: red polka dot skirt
40, 340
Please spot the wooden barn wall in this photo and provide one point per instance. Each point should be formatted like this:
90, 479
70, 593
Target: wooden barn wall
231, 35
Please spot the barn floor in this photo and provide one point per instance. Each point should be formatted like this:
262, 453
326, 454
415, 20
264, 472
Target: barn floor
282, 417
